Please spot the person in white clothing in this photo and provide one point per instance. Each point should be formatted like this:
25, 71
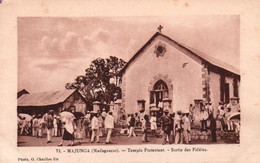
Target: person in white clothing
229, 123
55, 131
35, 126
69, 129
109, 126
186, 128
41, 124
94, 128
153, 122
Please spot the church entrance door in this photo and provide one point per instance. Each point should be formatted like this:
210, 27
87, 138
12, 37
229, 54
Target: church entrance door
159, 92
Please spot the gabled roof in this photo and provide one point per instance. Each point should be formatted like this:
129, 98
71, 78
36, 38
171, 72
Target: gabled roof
44, 99
21, 92
204, 57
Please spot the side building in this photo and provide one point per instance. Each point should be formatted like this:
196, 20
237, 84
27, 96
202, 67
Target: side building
40, 103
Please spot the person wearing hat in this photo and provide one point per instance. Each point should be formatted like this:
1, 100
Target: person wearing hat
178, 126
109, 126
69, 130
50, 126
166, 123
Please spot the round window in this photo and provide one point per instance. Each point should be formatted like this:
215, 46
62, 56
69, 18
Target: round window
160, 49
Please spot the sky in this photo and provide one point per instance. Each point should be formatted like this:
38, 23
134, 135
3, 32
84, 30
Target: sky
53, 51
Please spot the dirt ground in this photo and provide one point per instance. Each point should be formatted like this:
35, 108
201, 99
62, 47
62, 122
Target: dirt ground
28, 141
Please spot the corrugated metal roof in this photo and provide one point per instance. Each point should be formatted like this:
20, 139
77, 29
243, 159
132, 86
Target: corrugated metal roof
44, 99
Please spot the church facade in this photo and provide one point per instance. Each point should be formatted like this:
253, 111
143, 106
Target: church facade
166, 74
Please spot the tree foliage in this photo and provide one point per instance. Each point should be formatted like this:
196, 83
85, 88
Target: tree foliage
102, 80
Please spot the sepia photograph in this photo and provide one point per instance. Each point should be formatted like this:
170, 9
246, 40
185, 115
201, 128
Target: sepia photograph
128, 80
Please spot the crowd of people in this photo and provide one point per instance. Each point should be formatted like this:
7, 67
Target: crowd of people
92, 126
39, 124
173, 127
176, 127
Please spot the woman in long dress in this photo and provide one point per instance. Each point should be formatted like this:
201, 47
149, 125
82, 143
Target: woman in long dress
68, 131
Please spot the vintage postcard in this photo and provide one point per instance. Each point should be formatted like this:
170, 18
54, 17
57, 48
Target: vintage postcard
86, 83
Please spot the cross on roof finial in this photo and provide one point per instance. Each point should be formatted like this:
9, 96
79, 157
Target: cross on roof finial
160, 28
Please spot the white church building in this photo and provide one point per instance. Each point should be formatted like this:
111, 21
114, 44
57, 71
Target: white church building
167, 74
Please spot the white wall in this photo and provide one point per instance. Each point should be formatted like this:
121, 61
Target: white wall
214, 82
186, 82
